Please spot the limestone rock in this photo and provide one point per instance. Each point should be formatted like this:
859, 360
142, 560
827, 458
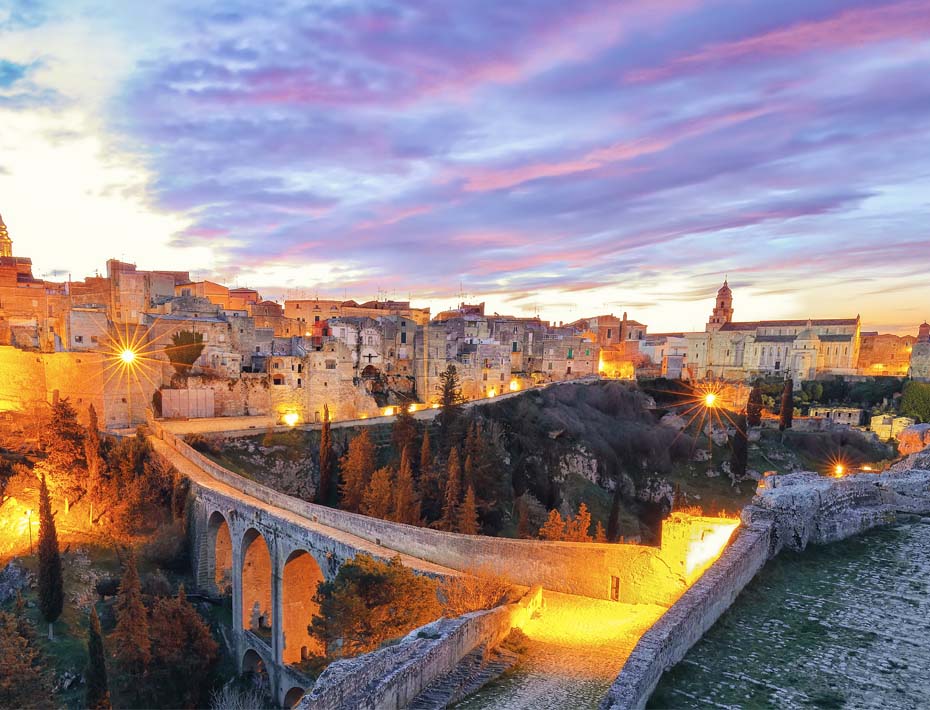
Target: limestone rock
673, 421
914, 439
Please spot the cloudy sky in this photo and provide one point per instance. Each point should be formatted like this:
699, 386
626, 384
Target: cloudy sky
568, 157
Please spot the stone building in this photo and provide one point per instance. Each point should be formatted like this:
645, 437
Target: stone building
920, 354
740, 350
885, 354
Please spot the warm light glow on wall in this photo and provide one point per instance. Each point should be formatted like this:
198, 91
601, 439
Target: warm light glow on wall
514, 386
704, 551
388, 411
492, 392
412, 408
291, 418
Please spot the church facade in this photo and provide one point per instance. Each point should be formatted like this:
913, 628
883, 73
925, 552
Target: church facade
803, 349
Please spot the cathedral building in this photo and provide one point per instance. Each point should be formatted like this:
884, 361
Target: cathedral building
802, 349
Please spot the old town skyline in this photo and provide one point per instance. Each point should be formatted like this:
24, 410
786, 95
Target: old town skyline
561, 164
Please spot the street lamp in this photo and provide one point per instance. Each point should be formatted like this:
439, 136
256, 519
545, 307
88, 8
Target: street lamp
128, 356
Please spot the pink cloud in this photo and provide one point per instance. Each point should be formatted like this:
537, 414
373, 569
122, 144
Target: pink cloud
483, 180
850, 28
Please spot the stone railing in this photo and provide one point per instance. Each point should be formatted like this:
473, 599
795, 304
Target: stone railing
391, 677
572, 568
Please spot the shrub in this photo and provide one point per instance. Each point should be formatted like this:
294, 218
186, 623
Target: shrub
474, 590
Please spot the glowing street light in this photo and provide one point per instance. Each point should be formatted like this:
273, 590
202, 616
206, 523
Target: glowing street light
128, 356
710, 399
291, 418
839, 470
514, 385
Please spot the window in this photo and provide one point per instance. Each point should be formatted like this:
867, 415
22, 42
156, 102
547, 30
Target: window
614, 589
570, 353
403, 337
299, 383
330, 364
297, 306
78, 338
568, 370
610, 333
278, 379
316, 319
513, 346
93, 339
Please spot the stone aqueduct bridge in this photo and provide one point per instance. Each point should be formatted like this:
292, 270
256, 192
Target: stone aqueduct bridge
270, 550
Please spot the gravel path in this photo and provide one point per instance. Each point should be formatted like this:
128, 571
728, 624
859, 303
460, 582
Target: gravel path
576, 648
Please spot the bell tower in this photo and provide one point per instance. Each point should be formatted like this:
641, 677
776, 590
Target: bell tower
723, 309
6, 244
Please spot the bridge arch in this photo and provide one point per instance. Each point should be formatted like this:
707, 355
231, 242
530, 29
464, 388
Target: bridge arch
300, 578
254, 665
293, 696
219, 555
257, 571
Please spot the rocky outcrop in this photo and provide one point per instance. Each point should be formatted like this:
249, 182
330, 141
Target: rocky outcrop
807, 508
914, 439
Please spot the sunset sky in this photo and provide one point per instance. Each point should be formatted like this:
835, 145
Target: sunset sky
573, 158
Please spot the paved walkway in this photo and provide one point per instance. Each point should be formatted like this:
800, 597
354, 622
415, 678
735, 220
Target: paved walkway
227, 425
576, 648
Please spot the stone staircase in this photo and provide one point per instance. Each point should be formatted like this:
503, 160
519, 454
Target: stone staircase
473, 672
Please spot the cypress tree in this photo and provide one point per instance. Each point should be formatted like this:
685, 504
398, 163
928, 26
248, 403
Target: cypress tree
467, 522
94, 459
787, 405
740, 458
576, 529
754, 407
426, 456
97, 694
453, 492
599, 534
450, 401
406, 499
131, 643
324, 491
51, 582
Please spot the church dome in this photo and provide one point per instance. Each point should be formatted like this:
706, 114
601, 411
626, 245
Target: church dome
808, 334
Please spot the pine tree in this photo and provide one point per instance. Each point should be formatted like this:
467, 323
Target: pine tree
740, 457
404, 432
378, 501
324, 491
97, 694
183, 653
787, 405
62, 440
754, 407
576, 529
450, 400
51, 582
131, 644
95, 462
599, 534
406, 498
357, 467
453, 491
23, 681
467, 522
554, 527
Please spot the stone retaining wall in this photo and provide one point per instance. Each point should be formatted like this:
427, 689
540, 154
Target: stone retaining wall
788, 511
391, 677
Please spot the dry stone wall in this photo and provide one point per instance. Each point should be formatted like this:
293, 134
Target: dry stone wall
391, 677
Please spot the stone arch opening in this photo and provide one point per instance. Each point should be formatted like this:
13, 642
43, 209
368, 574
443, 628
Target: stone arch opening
253, 666
370, 372
293, 696
219, 555
256, 584
301, 576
